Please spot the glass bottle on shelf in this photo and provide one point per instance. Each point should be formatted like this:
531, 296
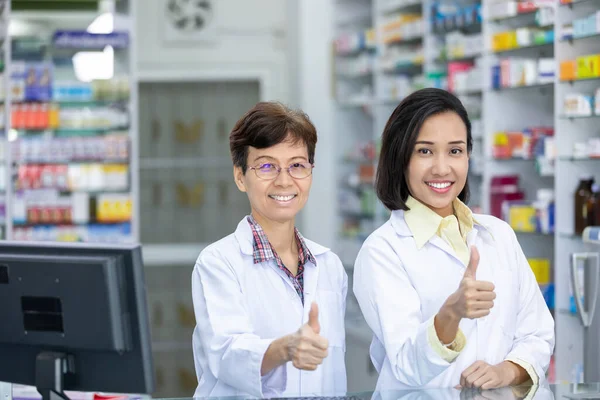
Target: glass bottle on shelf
582, 195
593, 206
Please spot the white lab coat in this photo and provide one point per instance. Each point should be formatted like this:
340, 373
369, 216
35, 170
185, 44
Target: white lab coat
241, 307
400, 289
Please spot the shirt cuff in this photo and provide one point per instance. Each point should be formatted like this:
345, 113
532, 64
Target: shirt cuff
524, 392
450, 353
528, 368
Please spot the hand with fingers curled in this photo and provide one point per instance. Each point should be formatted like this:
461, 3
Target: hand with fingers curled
306, 348
485, 376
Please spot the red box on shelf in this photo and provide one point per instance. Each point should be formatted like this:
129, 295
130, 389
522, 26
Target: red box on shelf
455, 67
18, 116
503, 188
526, 6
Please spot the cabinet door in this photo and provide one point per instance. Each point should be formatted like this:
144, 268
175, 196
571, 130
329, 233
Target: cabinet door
187, 193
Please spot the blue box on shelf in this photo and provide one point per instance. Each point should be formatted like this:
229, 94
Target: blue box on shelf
548, 294
38, 82
32, 81
496, 76
74, 39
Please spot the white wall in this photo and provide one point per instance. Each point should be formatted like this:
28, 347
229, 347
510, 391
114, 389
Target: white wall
315, 33
289, 40
250, 35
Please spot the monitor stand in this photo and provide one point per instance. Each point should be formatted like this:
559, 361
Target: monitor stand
51, 370
5, 391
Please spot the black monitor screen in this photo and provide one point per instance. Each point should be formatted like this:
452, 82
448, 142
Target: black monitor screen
82, 304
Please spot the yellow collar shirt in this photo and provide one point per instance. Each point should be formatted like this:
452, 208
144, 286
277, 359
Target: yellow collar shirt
425, 223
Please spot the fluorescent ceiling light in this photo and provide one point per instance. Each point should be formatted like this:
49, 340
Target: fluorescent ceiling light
93, 65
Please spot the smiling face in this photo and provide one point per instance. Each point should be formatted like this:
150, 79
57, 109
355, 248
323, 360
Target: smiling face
439, 164
280, 198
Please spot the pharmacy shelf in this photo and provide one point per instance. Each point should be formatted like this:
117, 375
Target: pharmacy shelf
510, 18
466, 58
572, 131
469, 28
407, 40
63, 91
582, 80
571, 117
59, 17
5, 99
472, 92
404, 68
580, 38
578, 159
540, 86
525, 49
575, 4
570, 236
396, 6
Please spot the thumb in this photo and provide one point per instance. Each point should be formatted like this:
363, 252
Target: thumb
471, 270
313, 318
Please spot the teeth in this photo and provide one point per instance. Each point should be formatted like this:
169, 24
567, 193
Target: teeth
440, 185
283, 198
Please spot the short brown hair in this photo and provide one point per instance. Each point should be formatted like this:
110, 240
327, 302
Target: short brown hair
268, 124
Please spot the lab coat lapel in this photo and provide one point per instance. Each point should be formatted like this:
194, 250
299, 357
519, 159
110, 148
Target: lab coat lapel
484, 273
445, 247
484, 269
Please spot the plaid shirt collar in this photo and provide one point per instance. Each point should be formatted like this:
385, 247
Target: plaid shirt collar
264, 252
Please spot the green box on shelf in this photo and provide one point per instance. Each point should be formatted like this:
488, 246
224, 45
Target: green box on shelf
54, 5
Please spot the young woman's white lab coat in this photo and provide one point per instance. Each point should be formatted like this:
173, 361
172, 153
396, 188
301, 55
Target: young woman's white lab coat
241, 307
401, 288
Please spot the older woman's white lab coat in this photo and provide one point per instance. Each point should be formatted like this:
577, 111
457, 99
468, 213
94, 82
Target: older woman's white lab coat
401, 288
241, 307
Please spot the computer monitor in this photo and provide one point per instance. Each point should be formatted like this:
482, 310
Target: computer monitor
73, 316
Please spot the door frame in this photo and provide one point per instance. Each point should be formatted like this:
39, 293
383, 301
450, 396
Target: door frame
264, 77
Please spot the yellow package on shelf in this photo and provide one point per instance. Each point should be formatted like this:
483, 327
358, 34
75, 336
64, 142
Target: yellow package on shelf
113, 208
370, 38
504, 41
394, 29
500, 139
522, 218
410, 17
541, 269
588, 66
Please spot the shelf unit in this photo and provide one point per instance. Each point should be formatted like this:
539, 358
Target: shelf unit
5, 55
72, 121
569, 131
364, 104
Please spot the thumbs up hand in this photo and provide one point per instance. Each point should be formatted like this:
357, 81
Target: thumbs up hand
313, 318
471, 270
307, 348
473, 298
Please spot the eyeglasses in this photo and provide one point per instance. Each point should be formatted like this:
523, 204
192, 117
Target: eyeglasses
270, 171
